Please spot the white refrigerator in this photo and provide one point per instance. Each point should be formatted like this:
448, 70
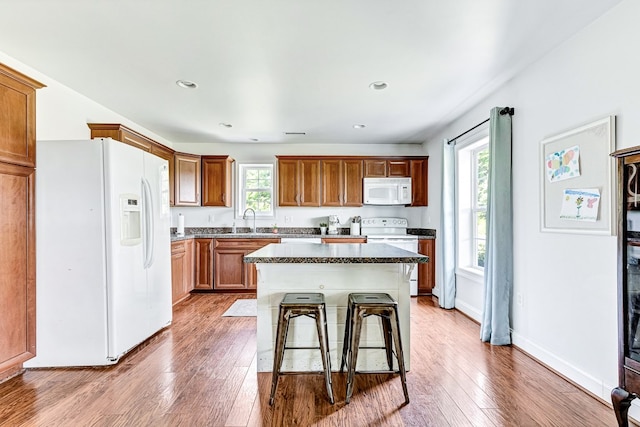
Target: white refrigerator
103, 251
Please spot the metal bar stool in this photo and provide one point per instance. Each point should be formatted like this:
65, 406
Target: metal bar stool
294, 305
372, 304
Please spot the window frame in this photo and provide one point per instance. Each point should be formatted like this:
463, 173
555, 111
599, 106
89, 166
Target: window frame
466, 207
241, 173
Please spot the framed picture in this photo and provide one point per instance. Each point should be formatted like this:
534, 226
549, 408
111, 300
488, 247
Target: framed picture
577, 180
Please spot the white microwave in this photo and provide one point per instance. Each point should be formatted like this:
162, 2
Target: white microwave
387, 191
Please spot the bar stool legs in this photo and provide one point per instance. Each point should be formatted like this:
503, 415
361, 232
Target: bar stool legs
292, 306
363, 305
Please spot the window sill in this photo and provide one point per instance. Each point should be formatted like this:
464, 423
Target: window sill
471, 274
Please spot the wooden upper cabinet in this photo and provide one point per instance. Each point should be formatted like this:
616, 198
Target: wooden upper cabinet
353, 174
419, 181
381, 168
375, 168
298, 182
216, 180
17, 117
332, 182
398, 167
122, 133
187, 180
341, 182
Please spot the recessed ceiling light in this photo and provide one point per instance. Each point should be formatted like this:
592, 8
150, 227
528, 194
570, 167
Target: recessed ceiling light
359, 126
225, 125
378, 85
186, 84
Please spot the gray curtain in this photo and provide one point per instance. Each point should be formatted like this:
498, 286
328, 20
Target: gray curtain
498, 269
447, 235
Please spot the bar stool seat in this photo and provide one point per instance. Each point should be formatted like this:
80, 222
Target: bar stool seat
361, 305
294, 305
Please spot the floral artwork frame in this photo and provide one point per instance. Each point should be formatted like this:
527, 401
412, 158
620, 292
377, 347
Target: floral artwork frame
575, 160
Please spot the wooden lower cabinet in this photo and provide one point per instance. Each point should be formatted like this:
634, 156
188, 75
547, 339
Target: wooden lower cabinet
203, 272
182, 269
344, 240
231, 273
427, 271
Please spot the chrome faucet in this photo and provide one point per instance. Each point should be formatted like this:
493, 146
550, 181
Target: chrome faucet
244, 216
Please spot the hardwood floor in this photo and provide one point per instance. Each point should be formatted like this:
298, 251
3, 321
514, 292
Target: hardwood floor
202, 372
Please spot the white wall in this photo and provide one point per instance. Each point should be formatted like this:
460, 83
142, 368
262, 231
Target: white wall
567, 282
63, 114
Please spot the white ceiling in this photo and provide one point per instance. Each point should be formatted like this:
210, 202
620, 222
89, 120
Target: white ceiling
273, 66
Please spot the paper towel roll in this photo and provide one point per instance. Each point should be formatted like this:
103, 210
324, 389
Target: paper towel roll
180, 231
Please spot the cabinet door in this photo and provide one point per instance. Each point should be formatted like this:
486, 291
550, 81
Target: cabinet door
178, 255
17, 263
187, 179
230, 268
352, 183
309, 182
332, 182
18, 117
427, 272
375, 168
398, 168
288, 183
216, 181
189, 266
204, 264
419, 182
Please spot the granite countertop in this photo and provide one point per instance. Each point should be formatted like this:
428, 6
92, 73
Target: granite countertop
333, 253
265, 233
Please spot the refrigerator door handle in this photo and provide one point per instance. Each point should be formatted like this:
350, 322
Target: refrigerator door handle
147, 206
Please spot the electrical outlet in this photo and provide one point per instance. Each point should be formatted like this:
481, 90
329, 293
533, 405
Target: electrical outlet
211, 219
519, 299
287, 219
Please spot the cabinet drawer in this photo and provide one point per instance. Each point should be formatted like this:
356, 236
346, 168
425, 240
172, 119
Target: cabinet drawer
178, 247
243, 243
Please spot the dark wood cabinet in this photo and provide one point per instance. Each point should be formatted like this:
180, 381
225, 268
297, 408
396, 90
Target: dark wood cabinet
17, 198
386, 167
628, 213
299, 182
231, 272
216, 180
203, 273
419, 171
427, 271
187, 180
375, 168
344, 240
182, 269
337, 180
341, 182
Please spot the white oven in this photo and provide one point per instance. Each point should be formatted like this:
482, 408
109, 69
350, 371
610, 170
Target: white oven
392, 231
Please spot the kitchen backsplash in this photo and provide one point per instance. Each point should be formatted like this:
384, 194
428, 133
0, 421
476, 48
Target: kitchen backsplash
207, 217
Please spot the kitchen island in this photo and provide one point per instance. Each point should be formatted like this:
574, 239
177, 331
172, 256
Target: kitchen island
334, 270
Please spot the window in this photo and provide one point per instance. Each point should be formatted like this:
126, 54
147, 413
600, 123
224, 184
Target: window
255, 189
472, 188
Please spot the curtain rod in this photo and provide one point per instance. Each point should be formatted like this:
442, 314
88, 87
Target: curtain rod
506, 110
